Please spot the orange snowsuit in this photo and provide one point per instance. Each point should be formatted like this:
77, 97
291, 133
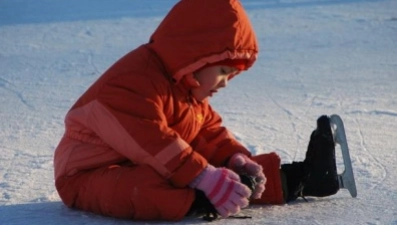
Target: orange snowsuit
136, 138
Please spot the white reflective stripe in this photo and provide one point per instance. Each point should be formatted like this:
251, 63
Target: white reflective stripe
172, 150
100, 120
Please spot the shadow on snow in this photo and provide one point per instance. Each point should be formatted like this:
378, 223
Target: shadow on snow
56, 213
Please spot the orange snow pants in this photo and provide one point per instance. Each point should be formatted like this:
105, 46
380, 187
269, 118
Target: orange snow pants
271, 168
131, 192
140, 193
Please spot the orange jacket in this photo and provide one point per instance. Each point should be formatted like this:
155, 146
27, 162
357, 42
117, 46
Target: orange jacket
140, 111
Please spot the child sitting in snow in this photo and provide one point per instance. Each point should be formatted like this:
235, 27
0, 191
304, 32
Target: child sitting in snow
144, 143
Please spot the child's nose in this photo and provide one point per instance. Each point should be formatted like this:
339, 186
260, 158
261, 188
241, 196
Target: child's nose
223, 83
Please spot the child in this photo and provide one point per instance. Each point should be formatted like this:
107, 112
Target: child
143, 142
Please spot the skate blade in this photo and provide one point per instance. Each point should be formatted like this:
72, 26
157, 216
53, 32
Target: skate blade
346, 178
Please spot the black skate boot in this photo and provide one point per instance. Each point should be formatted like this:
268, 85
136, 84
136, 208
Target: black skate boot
316, 175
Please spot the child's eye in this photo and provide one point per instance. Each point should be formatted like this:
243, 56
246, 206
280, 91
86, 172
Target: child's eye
224, 71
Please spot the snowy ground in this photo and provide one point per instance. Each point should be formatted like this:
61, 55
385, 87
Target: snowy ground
317, 57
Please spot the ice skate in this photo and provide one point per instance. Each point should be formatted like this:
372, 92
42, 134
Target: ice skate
322, 177
346, 178
317, 175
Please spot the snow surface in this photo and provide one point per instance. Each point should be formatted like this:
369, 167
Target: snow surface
317, 57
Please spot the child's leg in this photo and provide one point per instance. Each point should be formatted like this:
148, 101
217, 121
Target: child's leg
136, 192
317, 174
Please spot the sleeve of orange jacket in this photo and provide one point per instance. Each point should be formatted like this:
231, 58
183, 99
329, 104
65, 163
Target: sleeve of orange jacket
128, 116
215, 142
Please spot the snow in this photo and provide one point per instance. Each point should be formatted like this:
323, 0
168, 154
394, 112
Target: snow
317, 57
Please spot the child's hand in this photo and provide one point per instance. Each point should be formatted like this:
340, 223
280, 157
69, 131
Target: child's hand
241, 164
224, 190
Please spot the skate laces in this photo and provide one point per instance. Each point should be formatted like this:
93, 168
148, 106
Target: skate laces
301, 186
301, 195
212, 215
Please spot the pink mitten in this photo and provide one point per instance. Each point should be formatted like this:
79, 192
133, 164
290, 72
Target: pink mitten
241, 164
224, 190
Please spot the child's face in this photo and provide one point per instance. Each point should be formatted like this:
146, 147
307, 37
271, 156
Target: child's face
211, 79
